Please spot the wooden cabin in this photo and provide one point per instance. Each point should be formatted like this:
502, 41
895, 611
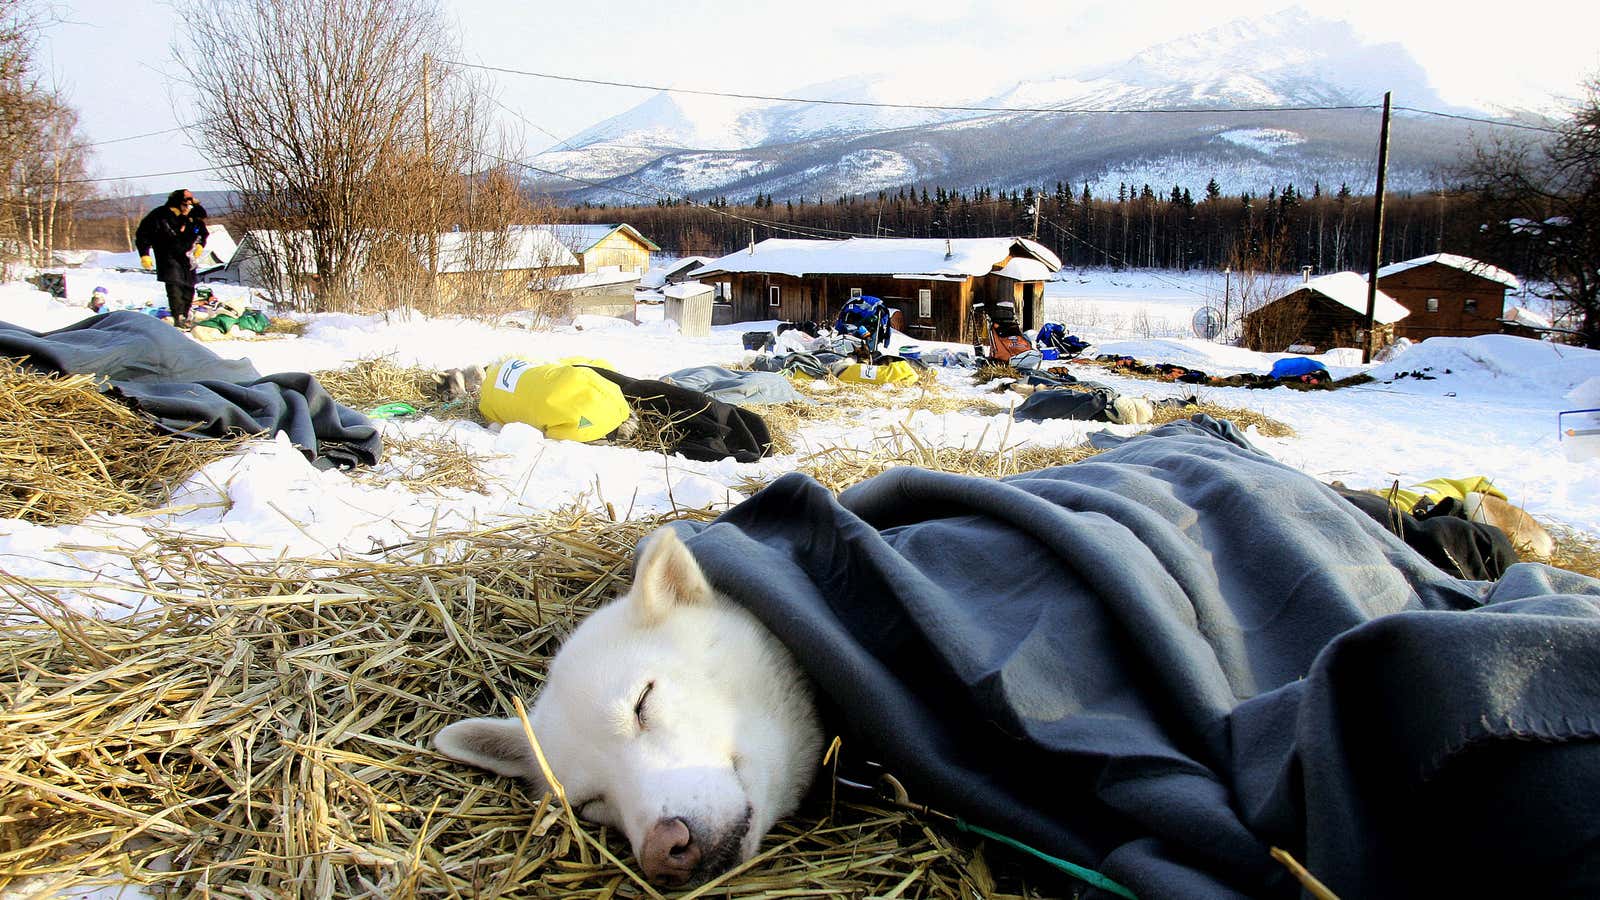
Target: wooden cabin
1325, 312
1448, 295
599, 246
931, 285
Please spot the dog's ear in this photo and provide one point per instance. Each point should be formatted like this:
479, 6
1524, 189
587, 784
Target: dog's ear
498, 745
667, 576
438, 378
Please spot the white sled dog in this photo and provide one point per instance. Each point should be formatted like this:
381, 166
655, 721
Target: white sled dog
670, 714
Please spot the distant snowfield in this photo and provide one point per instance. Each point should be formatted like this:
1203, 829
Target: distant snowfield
1262, 140
1490, 408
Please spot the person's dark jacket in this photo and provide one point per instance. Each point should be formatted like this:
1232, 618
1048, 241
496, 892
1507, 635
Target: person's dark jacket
169, 236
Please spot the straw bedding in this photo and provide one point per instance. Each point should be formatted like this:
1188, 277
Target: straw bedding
263, 732
69, 450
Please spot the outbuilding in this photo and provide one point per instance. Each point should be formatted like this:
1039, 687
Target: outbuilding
1448, 295
933, 286
600, 246
1324, 312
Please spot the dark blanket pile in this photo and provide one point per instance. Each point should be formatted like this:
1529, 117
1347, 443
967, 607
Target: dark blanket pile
1444, 535
1164, 661
712, 430
188, 389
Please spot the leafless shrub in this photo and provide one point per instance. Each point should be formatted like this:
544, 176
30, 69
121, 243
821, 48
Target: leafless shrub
374, 165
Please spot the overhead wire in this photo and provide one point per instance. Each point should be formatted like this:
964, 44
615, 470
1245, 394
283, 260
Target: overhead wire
801, 230
939, 107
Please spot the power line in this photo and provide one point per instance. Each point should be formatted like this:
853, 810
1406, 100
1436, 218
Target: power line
802, 230
1055, 110
130, 177
1107, 253
131, 137
1496, 122
883, 105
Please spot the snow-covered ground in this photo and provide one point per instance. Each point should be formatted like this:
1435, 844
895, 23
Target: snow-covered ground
1489, 408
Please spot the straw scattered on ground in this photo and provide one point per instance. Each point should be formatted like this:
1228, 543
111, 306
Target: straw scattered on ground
263, 731
1576, 551
286, 325
69, 450
370, 383
1246, 419
426, 463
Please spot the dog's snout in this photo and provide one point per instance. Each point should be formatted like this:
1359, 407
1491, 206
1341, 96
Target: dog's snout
670, 854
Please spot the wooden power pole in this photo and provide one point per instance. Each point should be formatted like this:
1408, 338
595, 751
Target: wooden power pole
1369, 345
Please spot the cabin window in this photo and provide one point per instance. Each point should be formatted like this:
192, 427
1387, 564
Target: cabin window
725, 290
1433, 303
854, 293
925, 303
1470, 304
772, 296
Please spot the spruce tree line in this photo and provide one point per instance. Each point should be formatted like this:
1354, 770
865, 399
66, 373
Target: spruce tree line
1137, 227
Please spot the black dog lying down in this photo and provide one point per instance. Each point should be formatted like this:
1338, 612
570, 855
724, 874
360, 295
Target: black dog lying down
1164, 661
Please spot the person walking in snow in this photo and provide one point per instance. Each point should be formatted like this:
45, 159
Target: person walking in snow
170, 238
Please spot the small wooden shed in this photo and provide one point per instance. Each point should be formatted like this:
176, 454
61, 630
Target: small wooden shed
1448, 295
599, 246
1324, 312
930, 284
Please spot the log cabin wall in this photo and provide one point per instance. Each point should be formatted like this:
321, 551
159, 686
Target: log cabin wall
1466, 304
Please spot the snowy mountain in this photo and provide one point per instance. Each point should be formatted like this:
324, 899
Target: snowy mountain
1077, 128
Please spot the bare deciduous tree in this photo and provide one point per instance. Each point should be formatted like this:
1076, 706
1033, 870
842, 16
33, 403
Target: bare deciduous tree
1539, 201
42, 157
334, 138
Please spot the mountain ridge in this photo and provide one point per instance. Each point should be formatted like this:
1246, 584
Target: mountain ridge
737, 148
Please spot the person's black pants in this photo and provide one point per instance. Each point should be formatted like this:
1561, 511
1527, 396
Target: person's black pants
179, 298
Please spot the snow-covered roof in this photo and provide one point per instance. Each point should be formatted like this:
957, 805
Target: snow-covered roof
658, 275
1521, 315
603, 276
970, 257
581, 237
1350, 290
520, 248
1464, 263
1023, 269
684, 289
220, 247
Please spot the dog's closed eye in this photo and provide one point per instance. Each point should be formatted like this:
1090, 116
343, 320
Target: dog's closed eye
638, 708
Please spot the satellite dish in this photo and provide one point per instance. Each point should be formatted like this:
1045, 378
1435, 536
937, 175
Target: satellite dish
1207, 323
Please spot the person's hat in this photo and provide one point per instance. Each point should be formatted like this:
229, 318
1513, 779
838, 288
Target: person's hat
100, 291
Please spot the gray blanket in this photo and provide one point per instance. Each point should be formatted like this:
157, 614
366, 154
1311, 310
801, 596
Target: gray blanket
738, 388
187, 389
1164, 661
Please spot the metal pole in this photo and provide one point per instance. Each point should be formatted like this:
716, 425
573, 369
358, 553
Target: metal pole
1369, 345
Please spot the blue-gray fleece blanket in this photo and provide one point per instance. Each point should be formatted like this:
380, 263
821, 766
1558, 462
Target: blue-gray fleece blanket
1165, 660
187, 389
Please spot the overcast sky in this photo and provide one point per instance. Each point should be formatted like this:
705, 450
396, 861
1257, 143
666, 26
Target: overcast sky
115, 58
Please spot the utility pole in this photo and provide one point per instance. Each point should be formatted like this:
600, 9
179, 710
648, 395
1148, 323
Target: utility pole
1038, 201
433, 191
1368, 346
1227, 284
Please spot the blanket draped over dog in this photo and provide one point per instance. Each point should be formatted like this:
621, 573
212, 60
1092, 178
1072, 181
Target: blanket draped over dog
186, 388
1165, 660
710, 429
